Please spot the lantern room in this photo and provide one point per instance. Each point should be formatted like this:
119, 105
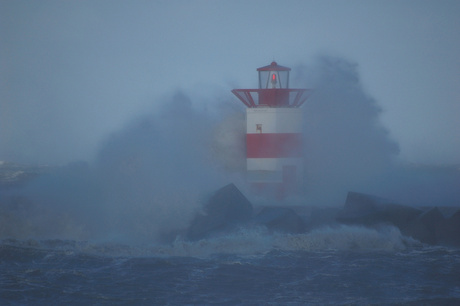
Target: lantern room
273, 76
273, 89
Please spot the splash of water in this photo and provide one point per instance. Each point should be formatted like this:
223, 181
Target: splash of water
250, 241
151, 176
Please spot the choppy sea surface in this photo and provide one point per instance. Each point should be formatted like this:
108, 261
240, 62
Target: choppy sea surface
345, 265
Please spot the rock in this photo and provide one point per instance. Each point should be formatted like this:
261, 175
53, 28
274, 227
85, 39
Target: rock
226, 209
370, 210
280, 219
429, 226
449, 231
426, 227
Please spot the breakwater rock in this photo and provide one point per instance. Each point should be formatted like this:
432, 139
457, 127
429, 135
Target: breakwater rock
431, 225
229, 209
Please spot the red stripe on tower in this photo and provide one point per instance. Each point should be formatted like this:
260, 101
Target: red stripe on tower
272, 145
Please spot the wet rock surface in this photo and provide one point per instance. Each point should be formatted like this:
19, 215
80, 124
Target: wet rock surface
228, 208
428, 225
225, 210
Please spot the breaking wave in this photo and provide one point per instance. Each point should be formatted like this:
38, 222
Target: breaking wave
259, 241
244, 241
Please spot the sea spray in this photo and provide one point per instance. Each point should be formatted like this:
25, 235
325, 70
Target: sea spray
249, 241
151, 176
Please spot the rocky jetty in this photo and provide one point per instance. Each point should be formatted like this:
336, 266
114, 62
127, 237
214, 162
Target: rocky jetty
228, 209
428, 225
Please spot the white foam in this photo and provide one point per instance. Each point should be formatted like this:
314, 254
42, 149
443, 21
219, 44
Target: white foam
255, 241
344, 238
251, 241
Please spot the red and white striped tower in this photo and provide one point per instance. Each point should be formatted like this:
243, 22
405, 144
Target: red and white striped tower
274, 131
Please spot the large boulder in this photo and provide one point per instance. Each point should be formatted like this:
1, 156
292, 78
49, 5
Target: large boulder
225, 210
280, 219
426, 227
371, 210
449, 231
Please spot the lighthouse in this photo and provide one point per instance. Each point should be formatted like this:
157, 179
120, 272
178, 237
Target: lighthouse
274, 132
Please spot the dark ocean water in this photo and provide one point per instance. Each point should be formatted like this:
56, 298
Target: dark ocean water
344, 265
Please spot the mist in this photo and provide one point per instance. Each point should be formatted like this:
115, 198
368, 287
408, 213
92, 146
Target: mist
347, 148
159, 169
151, 176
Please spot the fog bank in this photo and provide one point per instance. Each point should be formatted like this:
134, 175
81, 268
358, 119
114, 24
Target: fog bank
153, 174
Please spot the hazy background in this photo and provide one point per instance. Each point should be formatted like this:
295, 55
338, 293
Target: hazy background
134, 100
73, 72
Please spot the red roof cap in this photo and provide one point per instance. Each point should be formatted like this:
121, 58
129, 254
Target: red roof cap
274, 67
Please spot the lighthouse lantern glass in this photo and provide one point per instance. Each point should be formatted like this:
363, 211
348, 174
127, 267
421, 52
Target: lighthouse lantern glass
273, 79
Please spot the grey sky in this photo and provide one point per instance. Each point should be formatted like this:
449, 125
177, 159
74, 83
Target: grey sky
71, 72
